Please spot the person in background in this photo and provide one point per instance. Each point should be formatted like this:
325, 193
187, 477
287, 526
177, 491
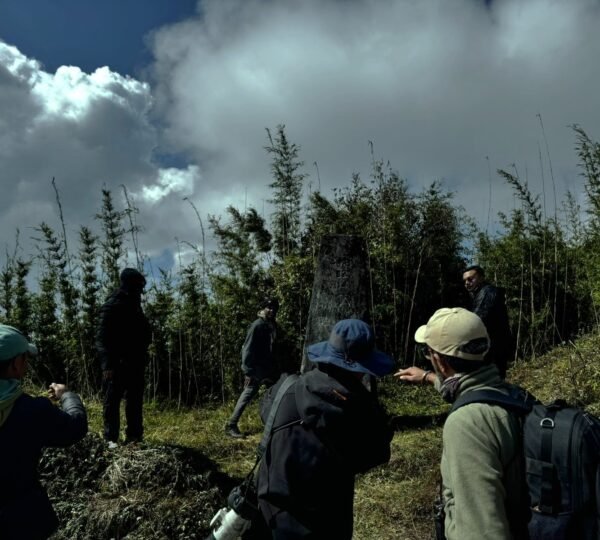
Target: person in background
258, 362
488, 302
327, 428
483, 476
122, 343
28, 424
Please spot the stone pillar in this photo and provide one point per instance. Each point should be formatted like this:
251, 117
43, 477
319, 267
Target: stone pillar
341, 288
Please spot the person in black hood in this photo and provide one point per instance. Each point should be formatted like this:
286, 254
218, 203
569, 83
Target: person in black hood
327, 429
122, 343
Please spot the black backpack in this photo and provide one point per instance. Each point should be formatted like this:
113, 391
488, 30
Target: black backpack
562, 462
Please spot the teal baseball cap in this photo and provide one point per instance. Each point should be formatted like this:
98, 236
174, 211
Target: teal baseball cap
13, 343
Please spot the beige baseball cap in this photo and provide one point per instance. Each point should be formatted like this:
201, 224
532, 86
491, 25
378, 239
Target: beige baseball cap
455, 332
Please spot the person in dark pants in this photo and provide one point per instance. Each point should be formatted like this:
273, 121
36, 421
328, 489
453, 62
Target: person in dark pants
122, 342
327, 429
27, 425
258, 363
488, 302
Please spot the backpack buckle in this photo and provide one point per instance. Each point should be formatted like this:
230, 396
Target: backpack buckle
547, 423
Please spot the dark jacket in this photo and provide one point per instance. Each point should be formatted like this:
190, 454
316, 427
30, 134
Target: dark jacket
257, 352
306, 477
488, 302
25, 511
123, 332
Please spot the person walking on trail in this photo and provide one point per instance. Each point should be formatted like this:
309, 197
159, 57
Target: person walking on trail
28, 424
122, 342
488, 302
327, 428
258, 362
483, 483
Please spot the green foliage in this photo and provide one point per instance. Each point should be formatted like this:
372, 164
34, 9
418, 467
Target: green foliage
541, 265
113, 241
160, 309
7, 291
89, 305
47, 332
417, 244
21, 318
293, 278
589, 161
241, 242
287, 191
58, 279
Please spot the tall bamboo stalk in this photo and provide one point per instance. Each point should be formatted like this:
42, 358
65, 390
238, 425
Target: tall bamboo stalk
555, 217
412, 300
133, 228
87, 382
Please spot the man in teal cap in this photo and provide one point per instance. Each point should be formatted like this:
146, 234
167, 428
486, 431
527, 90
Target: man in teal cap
27, 425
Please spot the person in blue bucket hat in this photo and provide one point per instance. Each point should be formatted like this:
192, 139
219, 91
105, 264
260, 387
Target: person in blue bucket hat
328, 427
351, 346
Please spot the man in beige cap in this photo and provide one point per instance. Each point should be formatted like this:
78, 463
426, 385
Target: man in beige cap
28, 424
482, 469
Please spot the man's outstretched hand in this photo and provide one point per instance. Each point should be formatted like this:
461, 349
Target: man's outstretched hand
56, 390
415, 375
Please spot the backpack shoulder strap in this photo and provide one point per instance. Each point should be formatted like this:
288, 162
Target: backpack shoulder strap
517, 401
268, 431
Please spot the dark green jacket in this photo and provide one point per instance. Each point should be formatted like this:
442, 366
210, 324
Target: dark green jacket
257, 352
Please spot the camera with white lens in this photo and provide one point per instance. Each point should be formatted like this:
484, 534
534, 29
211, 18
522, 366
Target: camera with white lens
230, 523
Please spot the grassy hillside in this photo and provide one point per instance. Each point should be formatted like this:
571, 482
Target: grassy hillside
392, 502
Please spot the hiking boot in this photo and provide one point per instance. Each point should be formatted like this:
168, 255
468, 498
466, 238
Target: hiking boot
234, 432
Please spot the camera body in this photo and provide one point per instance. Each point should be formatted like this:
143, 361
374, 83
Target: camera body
230, 523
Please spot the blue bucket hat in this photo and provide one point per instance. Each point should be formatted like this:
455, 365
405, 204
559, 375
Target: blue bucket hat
351, 346
13, 343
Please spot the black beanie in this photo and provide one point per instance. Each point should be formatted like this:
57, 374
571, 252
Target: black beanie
131, 276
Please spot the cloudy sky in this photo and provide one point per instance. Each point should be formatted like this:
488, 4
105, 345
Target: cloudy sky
171, 99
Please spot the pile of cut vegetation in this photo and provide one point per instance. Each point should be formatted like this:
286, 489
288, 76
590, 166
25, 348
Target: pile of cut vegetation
133, 492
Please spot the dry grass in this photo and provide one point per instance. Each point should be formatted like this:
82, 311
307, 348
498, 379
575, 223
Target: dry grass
570, 372
394, 501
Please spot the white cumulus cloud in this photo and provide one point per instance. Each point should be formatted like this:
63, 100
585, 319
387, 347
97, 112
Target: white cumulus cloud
180, 181
437, 86
89, 132
444, 90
